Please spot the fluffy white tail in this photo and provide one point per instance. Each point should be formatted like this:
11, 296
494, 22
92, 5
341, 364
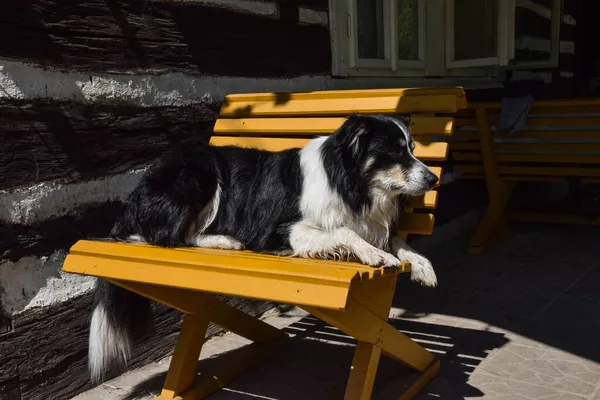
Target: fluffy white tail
110, 345
119, 317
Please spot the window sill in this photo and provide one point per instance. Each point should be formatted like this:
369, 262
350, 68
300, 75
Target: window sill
340, 83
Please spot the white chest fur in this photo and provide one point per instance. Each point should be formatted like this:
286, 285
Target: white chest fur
322, 207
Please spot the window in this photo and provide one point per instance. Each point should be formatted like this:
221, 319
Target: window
443, 37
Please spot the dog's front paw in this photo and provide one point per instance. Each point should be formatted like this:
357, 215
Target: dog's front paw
378, 258
421, 270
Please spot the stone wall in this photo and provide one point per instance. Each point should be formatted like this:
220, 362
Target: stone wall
90, 93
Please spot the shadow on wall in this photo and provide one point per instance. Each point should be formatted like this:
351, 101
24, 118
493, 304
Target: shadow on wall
130, 35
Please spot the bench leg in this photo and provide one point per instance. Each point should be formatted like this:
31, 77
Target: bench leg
183, 382
182, 369
363, 371
493, 221
366, 319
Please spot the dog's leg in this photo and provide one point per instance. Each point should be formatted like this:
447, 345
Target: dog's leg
217, 242
308, 241
421, 268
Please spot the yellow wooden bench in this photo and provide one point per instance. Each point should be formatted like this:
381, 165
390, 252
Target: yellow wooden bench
561, 140
352, 297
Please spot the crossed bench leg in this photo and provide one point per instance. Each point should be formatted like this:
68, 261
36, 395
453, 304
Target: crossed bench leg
499, 192
365, 318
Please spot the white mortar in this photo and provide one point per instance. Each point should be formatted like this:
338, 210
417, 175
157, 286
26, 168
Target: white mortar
23, 81
38, 282
20, 81
55, 199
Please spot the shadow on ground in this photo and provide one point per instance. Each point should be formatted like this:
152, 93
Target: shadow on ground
316, 365
543, 283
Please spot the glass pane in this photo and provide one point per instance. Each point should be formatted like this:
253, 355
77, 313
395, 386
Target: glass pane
475, 29
407, 20
369, 14
533, 30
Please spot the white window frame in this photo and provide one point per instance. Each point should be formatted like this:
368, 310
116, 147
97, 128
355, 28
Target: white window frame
390, 29
556, 22
344, 44
506, 28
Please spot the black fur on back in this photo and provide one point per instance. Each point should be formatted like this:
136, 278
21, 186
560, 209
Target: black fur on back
258, 198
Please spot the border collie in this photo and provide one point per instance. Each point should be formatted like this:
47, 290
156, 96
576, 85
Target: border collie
339, 197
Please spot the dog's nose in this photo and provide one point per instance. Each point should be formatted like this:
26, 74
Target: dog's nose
431, 179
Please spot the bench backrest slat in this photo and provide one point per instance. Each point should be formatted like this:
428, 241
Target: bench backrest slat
275, 122
561, 138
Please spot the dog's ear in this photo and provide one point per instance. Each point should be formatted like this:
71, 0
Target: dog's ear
353, 131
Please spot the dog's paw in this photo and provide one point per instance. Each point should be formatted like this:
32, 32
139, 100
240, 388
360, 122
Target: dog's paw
231, 245
378, 258
221, 242
421, 270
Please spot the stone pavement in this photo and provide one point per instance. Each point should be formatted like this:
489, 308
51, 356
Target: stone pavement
519, 322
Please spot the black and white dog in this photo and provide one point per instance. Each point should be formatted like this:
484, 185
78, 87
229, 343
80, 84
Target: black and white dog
339, 197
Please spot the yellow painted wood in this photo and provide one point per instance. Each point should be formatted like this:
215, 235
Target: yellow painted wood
337, 94
229, 367
243, 324
538, 158
287, 126
182, 369
512, 178
186, 301
566, 122
288, 280
428, 200
494, 217
555, 104
534, 134
362, 372
364, 325
555, 218
563, 147
431, 125
418, 224
534, 173
341, 106
319, 126
195, 302
375, 294
465, 146
353, 297
427, 152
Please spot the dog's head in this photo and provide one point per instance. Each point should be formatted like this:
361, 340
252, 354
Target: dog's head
380, 148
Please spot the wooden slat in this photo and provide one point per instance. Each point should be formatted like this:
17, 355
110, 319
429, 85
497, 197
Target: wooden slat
533, 172
318, 126
566, 122
473, 146
290, 126
429, 200
559, 218
466, 173
554, 103
341, 106
432, 125
525, 134
238, 273
338, 94
430, 152
540, 158
419, 224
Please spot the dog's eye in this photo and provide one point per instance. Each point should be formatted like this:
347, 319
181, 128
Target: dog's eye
396, 150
